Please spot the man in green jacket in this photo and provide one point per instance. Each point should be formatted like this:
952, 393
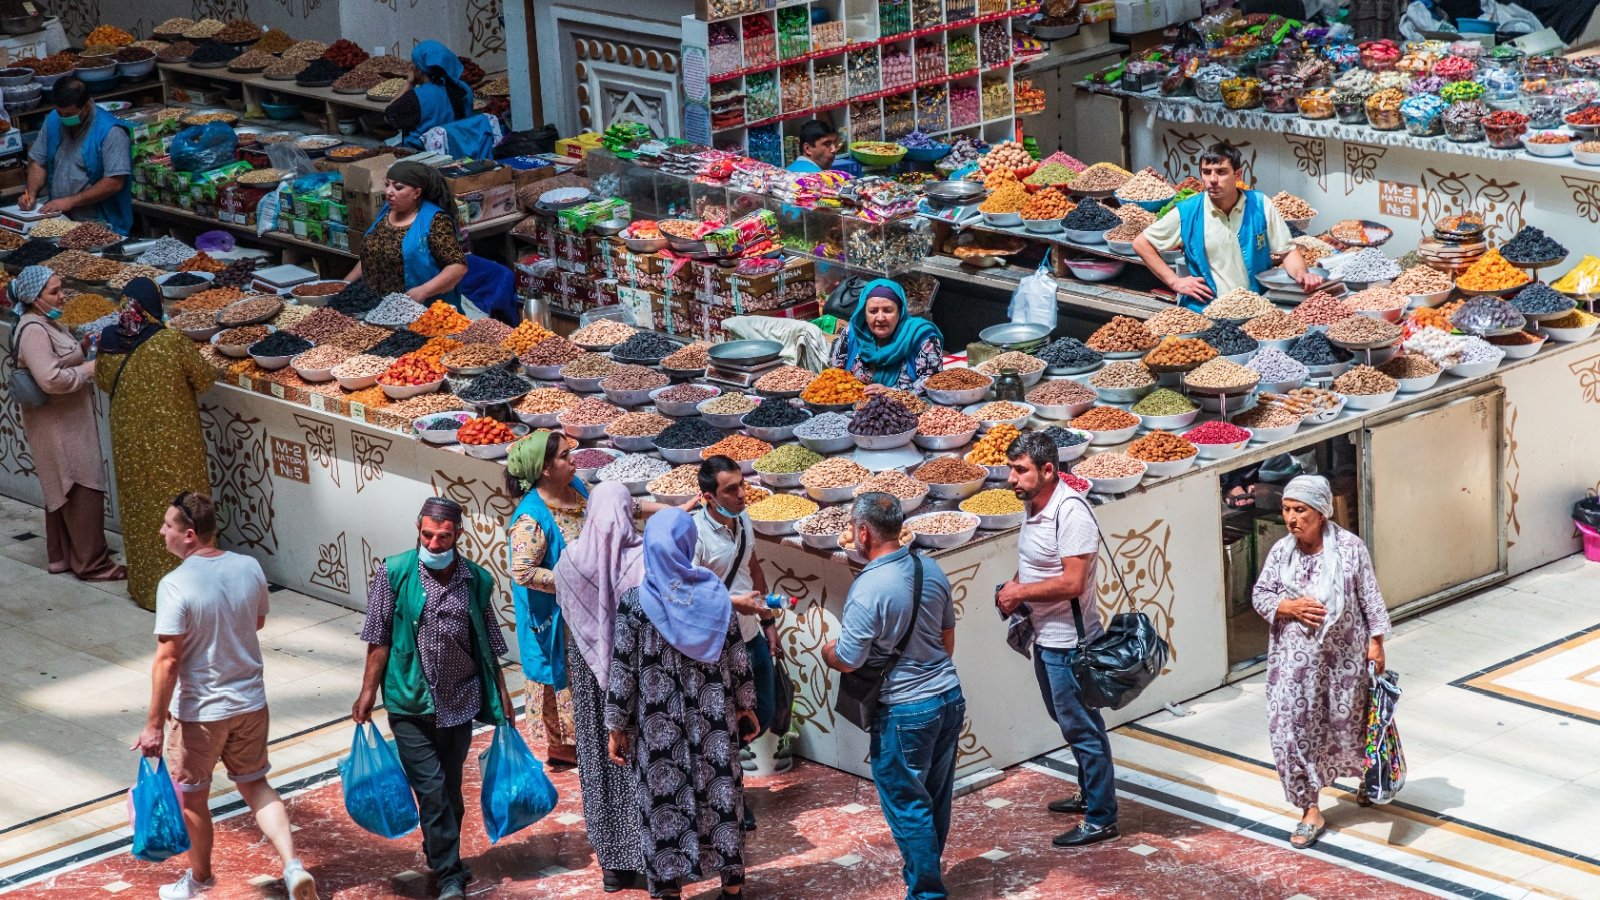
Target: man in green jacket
433, 644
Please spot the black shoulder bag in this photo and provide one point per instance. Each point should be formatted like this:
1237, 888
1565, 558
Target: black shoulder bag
1114, 670
859, 690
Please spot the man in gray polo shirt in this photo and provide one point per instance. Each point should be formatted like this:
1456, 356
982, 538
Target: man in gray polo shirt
921, 708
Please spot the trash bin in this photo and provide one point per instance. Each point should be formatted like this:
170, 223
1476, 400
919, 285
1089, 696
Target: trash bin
1586, 516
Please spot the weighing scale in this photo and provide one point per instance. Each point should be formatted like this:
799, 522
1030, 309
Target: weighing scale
958, 215
955, 202
19, 220
740, 376
281, 278
742, 363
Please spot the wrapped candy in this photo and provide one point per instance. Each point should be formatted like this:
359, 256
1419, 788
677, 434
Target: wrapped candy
1379, 56
1455, 68
1316, 103
1422, 113
1354, 80
1425, 84
1341, 56
1461, 91
1208, 82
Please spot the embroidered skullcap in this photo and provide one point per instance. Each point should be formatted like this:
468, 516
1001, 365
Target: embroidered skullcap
442, 508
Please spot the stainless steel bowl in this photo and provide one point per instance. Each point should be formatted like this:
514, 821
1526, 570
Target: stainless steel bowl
1013, 335
745, 353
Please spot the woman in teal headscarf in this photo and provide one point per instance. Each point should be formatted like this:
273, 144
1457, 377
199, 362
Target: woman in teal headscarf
549, 518
439, 98
885, 346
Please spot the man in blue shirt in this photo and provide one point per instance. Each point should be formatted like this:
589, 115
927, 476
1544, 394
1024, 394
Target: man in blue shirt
921, 709
819, 144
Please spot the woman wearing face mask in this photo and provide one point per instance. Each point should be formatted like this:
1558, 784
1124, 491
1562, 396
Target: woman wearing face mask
412, 247
62, 436
152, 376
884, 345
1320, 597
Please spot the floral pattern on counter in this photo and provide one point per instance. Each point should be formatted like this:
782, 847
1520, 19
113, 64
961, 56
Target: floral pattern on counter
1146, 568
370, 453
242, 466
486, 510
1310, 157
322, 446
1180, 149
969, 750
1360, 165
332, 571
1513, 476
1453, 193
1585, 196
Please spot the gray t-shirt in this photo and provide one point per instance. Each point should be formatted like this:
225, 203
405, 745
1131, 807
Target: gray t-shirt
876, 614
214, 603
70, 177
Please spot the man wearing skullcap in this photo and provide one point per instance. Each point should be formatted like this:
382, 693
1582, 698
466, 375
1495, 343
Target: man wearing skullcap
435, 610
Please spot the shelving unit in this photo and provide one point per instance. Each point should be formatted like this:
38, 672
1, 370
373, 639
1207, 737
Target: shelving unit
179, 78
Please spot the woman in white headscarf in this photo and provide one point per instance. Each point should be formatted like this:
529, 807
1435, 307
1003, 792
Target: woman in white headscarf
1320, 597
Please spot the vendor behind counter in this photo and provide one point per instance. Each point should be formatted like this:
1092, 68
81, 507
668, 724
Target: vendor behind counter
83, 155
412, 247
439, 98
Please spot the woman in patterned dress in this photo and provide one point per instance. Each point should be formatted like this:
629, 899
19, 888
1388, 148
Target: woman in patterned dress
885, 345
597, 569
152, 376
1319, 595
680, 694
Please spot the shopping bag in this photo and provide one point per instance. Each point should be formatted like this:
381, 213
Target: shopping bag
516, 791
1386, 761
1034, 301
376, 793
158, 829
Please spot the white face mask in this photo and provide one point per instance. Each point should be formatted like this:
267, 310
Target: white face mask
436, 561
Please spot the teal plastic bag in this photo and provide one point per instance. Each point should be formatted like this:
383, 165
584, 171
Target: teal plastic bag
376, 793
516, 791
158, 828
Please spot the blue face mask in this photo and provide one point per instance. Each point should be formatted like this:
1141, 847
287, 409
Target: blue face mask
434, 560
55, 313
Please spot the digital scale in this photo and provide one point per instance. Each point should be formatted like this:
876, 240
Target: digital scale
958, 215
14, 218
955, 202
281, 278
739, 375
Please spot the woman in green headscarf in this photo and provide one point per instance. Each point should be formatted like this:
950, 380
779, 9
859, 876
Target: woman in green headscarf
885, 345
549, 518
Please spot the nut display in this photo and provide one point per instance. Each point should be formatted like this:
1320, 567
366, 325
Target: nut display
591, 411
1239, 303
1063, 392
1377, 299
959, 378
589, 365
602, 333
553, 351
638, 424
993, 502
693, 356
1011, 359
1364, 330
834, 473
1177, 352
1364, 380
1101, 176
738, 447
1109, 465
632, 378
1176, 320
1291, 207
782, 508
1274, 365
1048, 203
893, 481
938, 421
784, 379
991, 449
832, 520
1146, 186
1130, 374
1322, 309
1000, 411
1409, 365
1163, 402
789, 458
634, 467
1222, 375
949, 470
1105, 418
1266, 416
1422, 279
542, 401
941, 523
1122, 335
681, 481
1160, 446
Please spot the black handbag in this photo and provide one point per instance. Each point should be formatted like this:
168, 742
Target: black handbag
1115, 669
844, 297
782, 698
859, 690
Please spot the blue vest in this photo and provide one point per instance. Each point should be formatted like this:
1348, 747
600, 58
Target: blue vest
420, 265
1252, 240
436, 109
116, 210
541, 633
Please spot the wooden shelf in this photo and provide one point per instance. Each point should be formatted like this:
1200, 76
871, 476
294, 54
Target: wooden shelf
263, 83
173, 213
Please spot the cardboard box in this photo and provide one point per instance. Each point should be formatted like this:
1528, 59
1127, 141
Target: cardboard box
363, 190
1182, 11
574, 147
490, 203
1137, 16
477, 181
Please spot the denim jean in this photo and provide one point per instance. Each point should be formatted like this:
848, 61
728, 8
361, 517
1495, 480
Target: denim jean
914, 767
1084, 730
761, 671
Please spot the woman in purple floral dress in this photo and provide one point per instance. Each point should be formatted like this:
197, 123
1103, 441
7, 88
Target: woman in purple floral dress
1320, 597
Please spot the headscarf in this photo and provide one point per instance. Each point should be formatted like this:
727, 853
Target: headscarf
442, 67
595, 571
889, 359
428, 180
687, 603
138, 321
441, 508
525, 458
1327, 585
28, 285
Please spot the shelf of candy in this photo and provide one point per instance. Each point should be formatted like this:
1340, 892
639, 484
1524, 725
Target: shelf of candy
964, 105
765, 143
828, 36
828, 85
961, 53
866, 121
824, 234
862, 73
957, 10
722, 9
878, 198
994, 43
930, 57
996, 96
899, 115
894, 17
887, 248
933, 109
708, 202
760, 40
992, 7
760, 96
724, 52
727, 105
1029, 99
896, 66
794, 85
926, 13
794, 31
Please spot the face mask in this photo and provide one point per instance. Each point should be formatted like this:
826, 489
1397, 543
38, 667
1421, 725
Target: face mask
434, 560
71, 121
55, 313
726, 514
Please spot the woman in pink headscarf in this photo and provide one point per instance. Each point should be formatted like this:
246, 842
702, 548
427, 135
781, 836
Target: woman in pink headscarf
593, 573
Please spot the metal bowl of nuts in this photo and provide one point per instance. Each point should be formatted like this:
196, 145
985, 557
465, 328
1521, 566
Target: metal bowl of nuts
991, 414
942, 530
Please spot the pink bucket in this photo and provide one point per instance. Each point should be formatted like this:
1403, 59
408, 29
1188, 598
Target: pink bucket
1591, 542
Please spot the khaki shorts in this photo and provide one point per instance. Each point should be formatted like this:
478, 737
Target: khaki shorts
240, 742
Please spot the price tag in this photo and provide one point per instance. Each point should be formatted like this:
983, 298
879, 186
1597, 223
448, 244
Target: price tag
276, 389
319, 402
738, 300
358, 411
244, 381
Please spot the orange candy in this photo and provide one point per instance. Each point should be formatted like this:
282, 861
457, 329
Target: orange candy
1491, 273
411, 370
484, 430
440, 319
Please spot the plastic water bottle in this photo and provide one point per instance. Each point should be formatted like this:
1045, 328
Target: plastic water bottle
780, 601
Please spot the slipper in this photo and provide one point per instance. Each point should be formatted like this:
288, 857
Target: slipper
1307, 831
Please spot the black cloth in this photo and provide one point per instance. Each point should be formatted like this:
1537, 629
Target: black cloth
432, 758
143, 293
404, 113
1567, 17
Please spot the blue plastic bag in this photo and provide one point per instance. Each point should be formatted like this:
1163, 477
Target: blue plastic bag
158, 828
201, 148
516, 791
376, 793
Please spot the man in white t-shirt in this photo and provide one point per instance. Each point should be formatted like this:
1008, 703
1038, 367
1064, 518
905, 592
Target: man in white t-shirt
207, 698
1055, 578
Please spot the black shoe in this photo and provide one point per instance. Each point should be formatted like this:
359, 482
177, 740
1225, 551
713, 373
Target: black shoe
749, 818
619, 880
1072, 805
1083, 836
452, 891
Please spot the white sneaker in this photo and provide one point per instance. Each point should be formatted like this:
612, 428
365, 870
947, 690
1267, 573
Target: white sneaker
186, 887
298, 881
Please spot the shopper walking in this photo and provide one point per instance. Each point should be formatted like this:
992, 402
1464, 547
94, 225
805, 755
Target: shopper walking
433, 645
680, 697
1055, 578
61, 433
902, 600
727, 546
1320, 597
207, 698
597, 569
548, 519
152, 377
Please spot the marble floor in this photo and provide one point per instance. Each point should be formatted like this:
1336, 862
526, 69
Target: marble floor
1500, 719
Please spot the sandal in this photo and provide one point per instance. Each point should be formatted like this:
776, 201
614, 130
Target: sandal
1309, 832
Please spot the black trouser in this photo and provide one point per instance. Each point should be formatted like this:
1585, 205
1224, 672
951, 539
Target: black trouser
432, 758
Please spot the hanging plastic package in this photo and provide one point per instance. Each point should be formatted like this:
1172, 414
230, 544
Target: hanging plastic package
376, 793
516, 792
1034, 301
154, 811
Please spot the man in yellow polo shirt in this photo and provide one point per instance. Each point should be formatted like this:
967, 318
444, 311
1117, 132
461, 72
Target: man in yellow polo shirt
1228, 236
